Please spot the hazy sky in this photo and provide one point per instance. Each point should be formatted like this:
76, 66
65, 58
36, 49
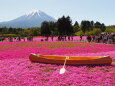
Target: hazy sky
78, 10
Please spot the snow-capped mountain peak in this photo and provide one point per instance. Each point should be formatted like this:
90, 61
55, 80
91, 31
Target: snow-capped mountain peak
31, 19
37, 13
34, 12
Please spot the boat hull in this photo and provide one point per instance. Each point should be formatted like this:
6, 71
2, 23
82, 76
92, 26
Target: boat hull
73, 60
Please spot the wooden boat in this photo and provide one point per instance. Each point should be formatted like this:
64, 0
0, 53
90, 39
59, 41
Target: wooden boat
70, 60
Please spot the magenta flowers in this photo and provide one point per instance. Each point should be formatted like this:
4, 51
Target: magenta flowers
17, 70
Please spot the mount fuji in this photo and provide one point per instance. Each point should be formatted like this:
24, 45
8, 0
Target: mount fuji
32, 19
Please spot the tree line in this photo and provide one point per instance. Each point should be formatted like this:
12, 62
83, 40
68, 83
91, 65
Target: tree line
63, 27
22, 32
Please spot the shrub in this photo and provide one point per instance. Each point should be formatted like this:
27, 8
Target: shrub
110, 30
6, 35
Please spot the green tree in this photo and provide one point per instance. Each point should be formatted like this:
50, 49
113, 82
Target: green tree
83, 26
64, 26
10, 30
92, 25
97, 24
76, 27
76, 24
35, 31
26, 32
86, 26
52, 26
45, 29
102, 27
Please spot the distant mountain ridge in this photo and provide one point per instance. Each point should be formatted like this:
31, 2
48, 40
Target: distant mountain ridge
32, 19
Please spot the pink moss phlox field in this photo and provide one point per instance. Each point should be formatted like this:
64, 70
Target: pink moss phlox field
17, 70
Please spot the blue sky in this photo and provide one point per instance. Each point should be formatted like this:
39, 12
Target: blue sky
97, 10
